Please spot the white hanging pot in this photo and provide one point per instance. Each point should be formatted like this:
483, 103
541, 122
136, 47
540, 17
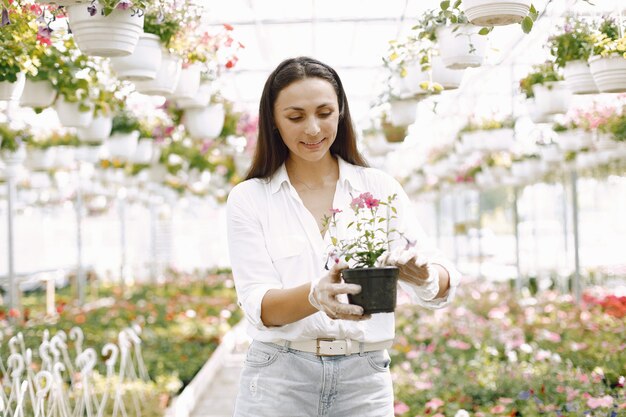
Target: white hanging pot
64, 3
552, 97
12, 91
460, 46
13, 158
609, 73
91, 153
448, 78
37, 94
114, 35
204, 123
143, 63
403, 112
70, 115
550, 153
97, 131
122, 145
201, 98
144, 151
64, 156
410, 84
40, 159
578, 77
166, 79
188, 83
574, 140
495, 12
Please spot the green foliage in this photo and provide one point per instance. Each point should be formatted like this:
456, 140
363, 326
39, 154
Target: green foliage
17, 40
541, 74
617, 127
574, 43
75, 74
107, 6
374, 232
11, 139
164, 25
488, 124
125, 122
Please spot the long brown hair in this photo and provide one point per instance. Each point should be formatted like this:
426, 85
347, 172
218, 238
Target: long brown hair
271, 151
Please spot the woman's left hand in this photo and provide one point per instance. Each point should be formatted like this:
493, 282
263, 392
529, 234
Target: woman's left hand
412, 267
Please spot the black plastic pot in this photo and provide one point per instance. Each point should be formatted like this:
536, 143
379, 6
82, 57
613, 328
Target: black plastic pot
378, 288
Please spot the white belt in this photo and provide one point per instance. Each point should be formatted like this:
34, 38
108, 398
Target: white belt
333, 347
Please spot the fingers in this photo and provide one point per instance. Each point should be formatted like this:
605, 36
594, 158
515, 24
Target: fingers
335, 271
336, 289
349, 317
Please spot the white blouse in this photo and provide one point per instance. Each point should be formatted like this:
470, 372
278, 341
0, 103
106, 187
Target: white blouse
274, 242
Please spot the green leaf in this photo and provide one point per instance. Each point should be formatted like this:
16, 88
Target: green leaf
527, 24
444, 5
484, 31
457, 3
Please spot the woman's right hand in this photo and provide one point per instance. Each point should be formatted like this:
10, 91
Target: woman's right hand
324, 296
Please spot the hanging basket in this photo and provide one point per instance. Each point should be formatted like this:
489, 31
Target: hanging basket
410, 84
448, 78
91, 153
201, 98
64, 157
122, 145
40, 159
97, 131
12, 91
143, 64
145, 151
64, 3
13, 158
111, 36
403, 112
70, 115
495, 12
188, 83
204, 123
609, 73
460, 46
552, 97
38, 94
166, 79
574, 140
578, 78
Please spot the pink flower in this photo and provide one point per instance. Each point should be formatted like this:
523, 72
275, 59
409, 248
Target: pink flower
335, 211
357, 203
124, 4
498, 409
458, 344
435, 403
369, 200
595, 402
400, 408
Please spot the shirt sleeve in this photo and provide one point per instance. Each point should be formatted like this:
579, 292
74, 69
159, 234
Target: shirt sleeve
413, 233
253, 271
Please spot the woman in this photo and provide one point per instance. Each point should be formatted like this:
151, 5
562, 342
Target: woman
313, 354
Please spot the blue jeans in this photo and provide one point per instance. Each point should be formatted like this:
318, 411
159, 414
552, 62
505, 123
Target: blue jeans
280, 382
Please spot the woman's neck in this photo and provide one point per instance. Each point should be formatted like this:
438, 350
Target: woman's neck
313, 174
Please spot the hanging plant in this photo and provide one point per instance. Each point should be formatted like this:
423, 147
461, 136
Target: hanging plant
573, 43
541, 74
18, 37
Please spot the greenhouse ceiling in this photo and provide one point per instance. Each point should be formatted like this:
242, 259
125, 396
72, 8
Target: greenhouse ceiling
353, 36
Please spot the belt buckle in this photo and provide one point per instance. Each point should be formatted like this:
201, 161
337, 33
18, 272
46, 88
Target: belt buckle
317, 345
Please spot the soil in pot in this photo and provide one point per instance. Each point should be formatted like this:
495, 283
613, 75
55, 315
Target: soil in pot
378, 288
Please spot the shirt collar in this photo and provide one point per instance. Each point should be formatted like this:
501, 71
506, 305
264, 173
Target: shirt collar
348, 173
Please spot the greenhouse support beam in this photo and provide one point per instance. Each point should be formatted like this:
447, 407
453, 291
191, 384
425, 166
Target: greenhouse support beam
12, 284
576, 287
80, 271
479, 222
122, 213
518, 280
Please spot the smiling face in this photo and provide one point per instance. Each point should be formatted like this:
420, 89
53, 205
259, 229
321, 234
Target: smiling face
306, 113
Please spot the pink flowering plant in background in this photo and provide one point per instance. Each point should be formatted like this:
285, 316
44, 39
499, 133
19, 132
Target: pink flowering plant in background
372, 222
